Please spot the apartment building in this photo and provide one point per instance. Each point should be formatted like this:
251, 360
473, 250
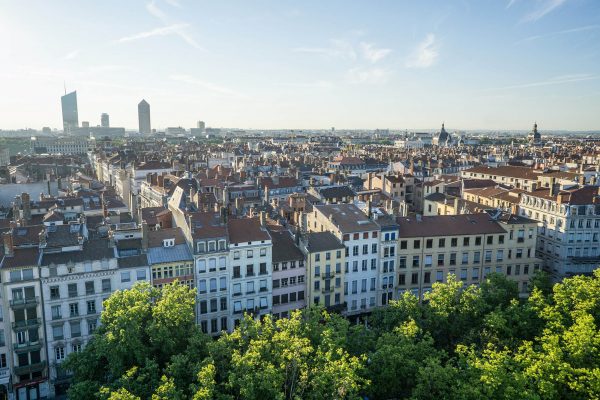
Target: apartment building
568, 227
77, 274
289, 275
207, 233
22, 309
325, 260
361, 237
169, 256
251, 260
469, 246
388, 255
516, 177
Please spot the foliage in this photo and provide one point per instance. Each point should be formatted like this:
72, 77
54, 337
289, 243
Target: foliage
460, 342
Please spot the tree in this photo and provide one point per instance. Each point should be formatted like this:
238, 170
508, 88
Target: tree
284, 359
145, 333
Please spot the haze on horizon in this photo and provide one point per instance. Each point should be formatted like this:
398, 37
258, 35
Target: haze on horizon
304, 65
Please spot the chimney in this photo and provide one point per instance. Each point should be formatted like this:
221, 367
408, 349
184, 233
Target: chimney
582, 179
263, 219
144, 236
456, 211
8, 244
160, 181
26, 206
369, 213
553, 187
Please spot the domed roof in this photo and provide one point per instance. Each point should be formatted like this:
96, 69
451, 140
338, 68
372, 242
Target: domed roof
443, 135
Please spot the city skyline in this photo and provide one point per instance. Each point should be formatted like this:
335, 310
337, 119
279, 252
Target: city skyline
311, 65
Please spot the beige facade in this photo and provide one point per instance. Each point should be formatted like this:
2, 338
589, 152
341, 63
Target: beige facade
325, 260
506, 247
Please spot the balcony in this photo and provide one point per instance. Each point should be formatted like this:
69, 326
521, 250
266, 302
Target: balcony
28, 346
19, 303
26, 323
27, 369
327, 290
328, 275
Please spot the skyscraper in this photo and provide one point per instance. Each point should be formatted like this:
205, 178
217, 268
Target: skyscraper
104, 120
144, 117
69, 112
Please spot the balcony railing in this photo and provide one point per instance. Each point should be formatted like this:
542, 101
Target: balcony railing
27, 369
28, 346
24, 302
26, 323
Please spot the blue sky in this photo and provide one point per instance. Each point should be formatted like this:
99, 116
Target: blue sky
474, 64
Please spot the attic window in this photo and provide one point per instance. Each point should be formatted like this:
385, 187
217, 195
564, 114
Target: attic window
168, 242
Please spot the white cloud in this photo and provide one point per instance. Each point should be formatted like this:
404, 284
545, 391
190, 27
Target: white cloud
372, 53
559, 33
425, 54
367, 75
546, 7
338, 48
164, 31
557, 80
179, 29
208, 86
174, 3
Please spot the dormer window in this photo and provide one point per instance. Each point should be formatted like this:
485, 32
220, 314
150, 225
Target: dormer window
201, 247
168, 242
212, 246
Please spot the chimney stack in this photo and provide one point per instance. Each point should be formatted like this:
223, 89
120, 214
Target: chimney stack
26, 206
263, 219
144, 236
8, 244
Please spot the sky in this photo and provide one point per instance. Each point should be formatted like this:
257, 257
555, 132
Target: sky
311, 64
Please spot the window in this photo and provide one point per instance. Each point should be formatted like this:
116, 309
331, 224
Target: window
223, 283
428, 260
414, 278
106, 287
452, 258
92, 326
417, 244
249, 254
466, 241
201, 247
250, 269
203, 307
201, 266
263, 252
73, 309
236, 272
57, 332
454, 242
236, 255
56, 312
237, 289
490, 240
440, 261
463, 274
91, 307
125, 276
54, 293
59, 353
263, 268
76, 347
223, 302
442, 243
75, 329
478, 241
488, 256
403, 244
213, 285
202, 286
250, 287
415, 262
72, 290
213, 305
499, 255
141, 274
429, 243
